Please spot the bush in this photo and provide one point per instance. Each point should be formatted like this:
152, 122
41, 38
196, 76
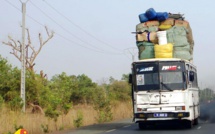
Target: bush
1, 101
78, 122
52, 113
103, 106
45, 128
16, 104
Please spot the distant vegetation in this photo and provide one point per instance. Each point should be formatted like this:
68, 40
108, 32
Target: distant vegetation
207, 95
56, 97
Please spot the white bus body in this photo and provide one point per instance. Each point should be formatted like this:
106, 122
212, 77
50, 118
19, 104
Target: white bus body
165, 90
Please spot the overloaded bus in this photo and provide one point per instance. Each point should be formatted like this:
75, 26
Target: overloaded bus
164, 90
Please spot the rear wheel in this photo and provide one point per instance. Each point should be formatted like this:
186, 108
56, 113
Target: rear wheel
188, 124
142, 125
196, 121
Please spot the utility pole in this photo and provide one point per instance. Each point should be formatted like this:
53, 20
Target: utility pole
132, 51
23, 55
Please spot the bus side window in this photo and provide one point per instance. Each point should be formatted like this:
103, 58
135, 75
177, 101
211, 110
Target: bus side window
187, 73
191, 76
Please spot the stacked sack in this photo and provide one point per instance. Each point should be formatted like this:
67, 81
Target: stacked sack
164, 35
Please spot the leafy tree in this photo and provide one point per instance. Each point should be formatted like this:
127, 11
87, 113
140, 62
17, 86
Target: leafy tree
102, 104
83, 92
10, 89
119, 90
34, 87
63, 85
9, 80
52, 114
111, 80
125, 77
15, 104
44, 100
58, 98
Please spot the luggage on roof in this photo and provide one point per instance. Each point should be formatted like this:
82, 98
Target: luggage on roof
178, 34
163, 51
146, 50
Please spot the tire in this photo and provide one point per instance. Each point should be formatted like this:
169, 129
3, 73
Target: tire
188, 124
196, 121
142, 126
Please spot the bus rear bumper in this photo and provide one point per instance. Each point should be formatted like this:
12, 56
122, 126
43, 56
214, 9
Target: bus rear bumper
161, 116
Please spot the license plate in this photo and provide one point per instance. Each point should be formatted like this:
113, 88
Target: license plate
160, 115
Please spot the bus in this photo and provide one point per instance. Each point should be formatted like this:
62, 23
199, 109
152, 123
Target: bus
163, 90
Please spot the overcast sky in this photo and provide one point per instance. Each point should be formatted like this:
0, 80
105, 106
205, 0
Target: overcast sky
94, 37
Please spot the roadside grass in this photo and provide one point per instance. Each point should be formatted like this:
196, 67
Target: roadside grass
122, 110
39, 124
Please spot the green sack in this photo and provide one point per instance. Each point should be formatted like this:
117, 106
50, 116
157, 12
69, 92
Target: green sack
146, 50
182, 52
177, 35
182, 55
190, 39
184, 48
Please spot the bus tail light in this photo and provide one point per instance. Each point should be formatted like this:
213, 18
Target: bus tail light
178, 108
139, 109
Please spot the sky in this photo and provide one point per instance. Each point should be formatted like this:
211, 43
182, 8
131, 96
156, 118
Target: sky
94, 37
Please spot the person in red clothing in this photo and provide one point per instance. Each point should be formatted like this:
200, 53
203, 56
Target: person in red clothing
21, 131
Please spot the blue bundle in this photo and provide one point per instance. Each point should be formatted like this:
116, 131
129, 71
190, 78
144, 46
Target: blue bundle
161, 16
151, 14
143, 18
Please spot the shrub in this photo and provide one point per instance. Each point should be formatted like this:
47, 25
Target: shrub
102, 105
78, 122
45, 128
1, 101
15, 104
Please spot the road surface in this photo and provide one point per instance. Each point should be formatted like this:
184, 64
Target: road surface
128, 127
206, 126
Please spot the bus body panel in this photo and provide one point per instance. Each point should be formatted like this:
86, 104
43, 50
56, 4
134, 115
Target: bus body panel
158, 97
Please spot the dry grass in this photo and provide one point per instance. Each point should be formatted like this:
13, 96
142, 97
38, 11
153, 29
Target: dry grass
122, 110
32, 122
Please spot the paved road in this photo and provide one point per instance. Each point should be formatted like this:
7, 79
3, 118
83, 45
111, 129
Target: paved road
100, 128
206, 126
128, 127
202, 128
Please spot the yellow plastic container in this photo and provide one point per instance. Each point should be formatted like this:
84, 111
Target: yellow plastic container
164, 51
164, 27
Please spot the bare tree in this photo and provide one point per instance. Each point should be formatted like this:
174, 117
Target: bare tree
31, 52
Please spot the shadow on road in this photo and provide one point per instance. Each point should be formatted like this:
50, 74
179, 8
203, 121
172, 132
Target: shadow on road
166, 125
